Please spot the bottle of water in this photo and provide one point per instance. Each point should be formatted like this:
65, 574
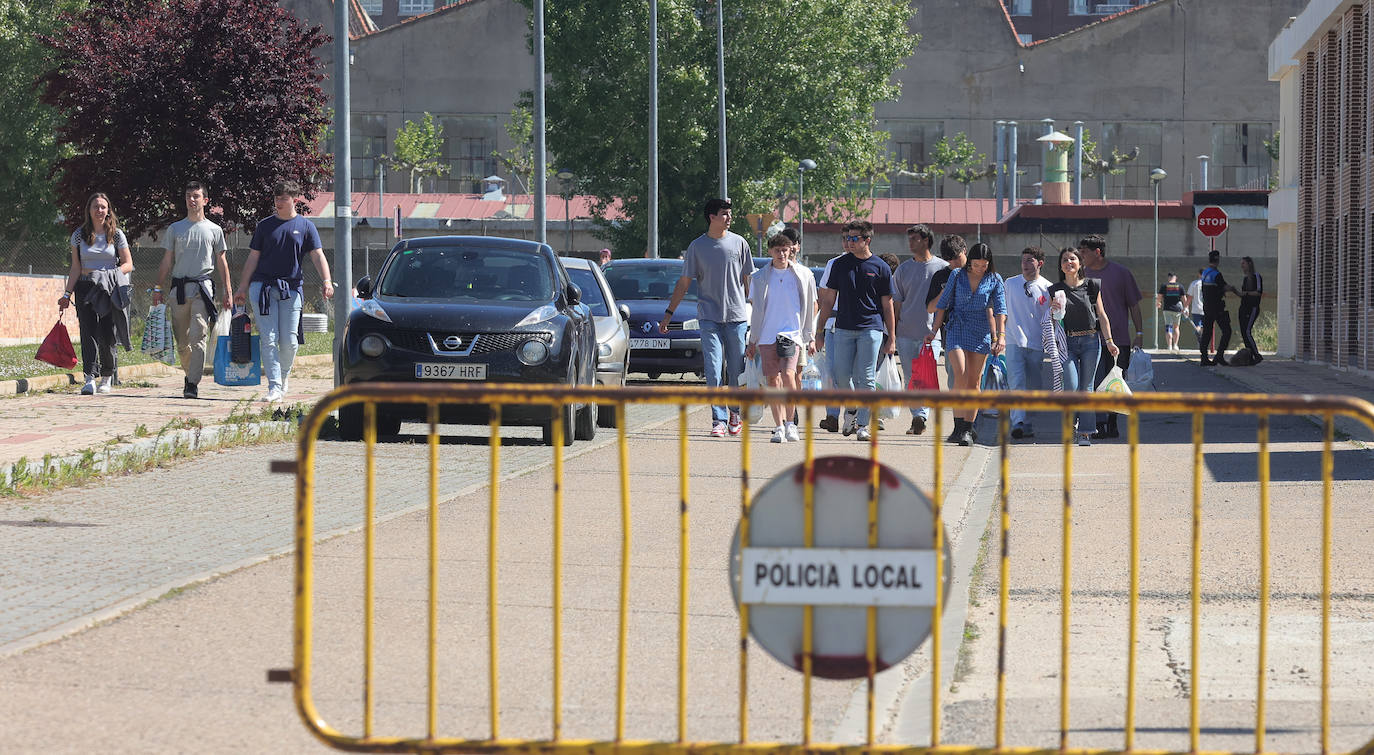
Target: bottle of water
1063, 300
811, 377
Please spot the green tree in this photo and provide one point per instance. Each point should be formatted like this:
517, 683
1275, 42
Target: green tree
519, 159
1098, 166
419, 150
958, 159
802, 78
28, 131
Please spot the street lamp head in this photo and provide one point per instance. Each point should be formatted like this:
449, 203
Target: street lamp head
564, 175
807, 164
1158, 175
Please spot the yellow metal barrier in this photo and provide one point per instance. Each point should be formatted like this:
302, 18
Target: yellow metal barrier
1193, 406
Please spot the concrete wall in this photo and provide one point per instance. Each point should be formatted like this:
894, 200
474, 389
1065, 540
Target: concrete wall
1184, 65
28, 308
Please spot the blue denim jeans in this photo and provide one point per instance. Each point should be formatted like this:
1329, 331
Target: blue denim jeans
1080, 372
907, 350
829, 368
1024, 373
854, 362
278, 331
722, 345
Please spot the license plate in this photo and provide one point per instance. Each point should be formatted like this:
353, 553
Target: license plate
442, 371
649, 343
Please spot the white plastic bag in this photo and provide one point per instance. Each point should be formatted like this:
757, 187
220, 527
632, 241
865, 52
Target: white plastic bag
753, 380
1114, 382
889, 379
1140, 376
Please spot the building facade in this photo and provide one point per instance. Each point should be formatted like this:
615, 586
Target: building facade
1322, 208
1036, 20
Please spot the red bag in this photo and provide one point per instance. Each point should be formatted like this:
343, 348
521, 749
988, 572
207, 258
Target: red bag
923, 375
56, 348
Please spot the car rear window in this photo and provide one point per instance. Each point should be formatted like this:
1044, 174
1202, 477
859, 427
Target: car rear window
468, 273
591, 291
646, 281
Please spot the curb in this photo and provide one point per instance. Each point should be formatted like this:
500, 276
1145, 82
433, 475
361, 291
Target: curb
153, 369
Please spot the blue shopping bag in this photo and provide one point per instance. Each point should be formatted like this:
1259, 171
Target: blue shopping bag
228, 372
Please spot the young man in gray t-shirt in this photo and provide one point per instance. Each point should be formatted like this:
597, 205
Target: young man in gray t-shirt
910, 283
195, 248
720, 263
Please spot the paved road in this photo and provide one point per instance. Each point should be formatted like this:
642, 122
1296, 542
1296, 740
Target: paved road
190, 668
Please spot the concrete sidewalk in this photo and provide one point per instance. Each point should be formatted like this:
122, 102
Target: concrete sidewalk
38, 423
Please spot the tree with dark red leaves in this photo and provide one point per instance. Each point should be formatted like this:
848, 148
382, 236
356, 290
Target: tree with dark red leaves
159, 93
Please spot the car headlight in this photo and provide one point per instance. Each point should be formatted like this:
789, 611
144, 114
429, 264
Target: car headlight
372, 345
371, 307
603, 350
546, 312
532, 352
692, 324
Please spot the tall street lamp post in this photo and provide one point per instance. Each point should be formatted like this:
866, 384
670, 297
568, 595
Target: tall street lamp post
1156, 177
566, 177
802, 167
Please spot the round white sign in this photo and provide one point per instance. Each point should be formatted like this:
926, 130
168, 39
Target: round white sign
839, 575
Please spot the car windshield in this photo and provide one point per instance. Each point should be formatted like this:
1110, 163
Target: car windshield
646, 282
468, 273
591, 291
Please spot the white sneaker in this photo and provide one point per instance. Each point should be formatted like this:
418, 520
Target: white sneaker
863, 435
285, 386
791, 432
779, 435
88, 388
851, 423
105, 384
273, 395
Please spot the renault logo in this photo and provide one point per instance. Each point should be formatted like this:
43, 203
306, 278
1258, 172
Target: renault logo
452, 343
648, 326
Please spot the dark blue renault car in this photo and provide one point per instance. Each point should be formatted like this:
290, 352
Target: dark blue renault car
470, 309
645, 287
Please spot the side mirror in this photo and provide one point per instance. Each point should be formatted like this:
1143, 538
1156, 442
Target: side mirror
574, 293
624, 312
364, 287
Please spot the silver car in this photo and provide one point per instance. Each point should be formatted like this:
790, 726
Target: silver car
612, 328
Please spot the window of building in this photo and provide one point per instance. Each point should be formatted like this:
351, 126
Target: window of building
469, 141
415, 7
1026, 38
1239, 159
1028, 159
911, 142
1078, 7
368, 143
1019, 7
1134, 182
372, 7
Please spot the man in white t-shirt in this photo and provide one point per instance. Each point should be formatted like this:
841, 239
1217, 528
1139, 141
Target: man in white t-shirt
1192, 302
1028, 309
195, 248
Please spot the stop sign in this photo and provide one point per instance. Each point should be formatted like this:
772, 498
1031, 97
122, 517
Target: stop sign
1211, 221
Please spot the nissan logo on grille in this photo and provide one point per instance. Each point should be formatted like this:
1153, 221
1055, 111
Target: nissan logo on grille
452, 343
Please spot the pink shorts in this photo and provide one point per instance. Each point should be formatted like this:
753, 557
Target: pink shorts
773, 365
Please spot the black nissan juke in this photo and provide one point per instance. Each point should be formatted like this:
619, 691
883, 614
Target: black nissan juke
470, 308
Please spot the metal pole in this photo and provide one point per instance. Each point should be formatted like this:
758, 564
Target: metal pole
801, 212
1078, 162
1011, 168
720, 83
1000, 173
567, 242
653, 129
1045, 147
343, 180
381, 198
540, 155
1155, 287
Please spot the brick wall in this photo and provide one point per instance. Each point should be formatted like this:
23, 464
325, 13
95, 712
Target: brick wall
28, 308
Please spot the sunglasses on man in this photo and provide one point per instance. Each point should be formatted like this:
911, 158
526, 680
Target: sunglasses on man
853, 239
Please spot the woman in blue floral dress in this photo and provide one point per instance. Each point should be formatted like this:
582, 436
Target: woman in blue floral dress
975, 304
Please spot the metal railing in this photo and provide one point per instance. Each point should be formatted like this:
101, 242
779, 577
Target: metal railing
1196, 407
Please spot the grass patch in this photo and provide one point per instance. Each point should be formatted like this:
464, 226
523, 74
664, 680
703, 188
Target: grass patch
1266, 332
17, 362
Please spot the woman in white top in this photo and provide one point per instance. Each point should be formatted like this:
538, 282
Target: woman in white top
98, 245
781, 324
